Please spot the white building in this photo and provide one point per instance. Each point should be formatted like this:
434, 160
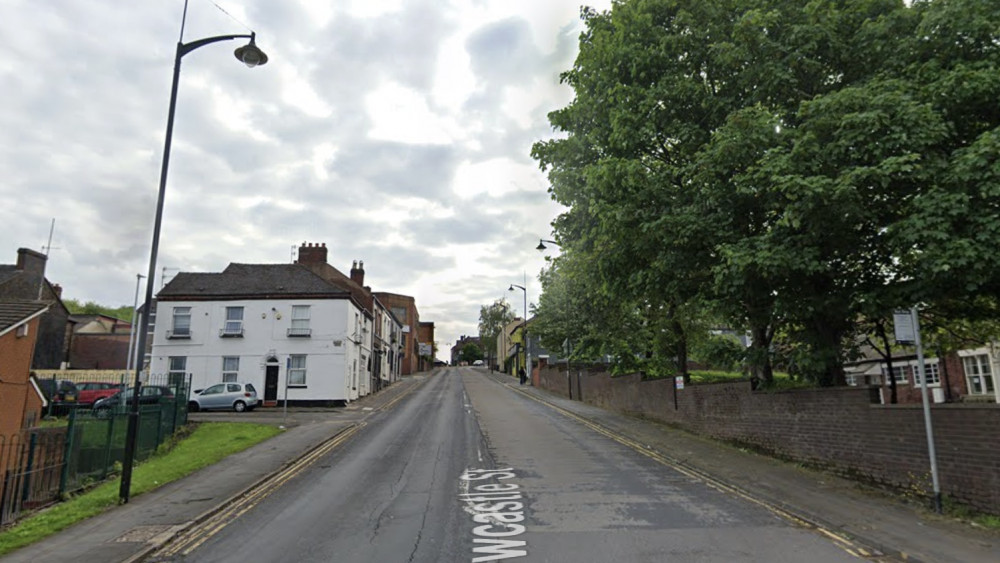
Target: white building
288, 330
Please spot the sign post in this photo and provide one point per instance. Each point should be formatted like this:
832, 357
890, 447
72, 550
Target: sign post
907, 331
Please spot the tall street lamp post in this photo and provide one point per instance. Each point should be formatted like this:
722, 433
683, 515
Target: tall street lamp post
524, 327
132, 334
251, 56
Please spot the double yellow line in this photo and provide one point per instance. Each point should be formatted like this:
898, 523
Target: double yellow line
189, 540
839, 540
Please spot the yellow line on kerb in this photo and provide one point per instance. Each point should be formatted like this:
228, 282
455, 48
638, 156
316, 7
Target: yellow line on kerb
839, 540
196, 536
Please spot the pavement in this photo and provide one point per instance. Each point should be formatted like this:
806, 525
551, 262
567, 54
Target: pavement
881, 527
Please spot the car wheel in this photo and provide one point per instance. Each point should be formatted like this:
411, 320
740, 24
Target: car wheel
239, 406
193, 407
102, 412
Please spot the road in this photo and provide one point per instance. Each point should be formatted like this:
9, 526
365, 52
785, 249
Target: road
466, 468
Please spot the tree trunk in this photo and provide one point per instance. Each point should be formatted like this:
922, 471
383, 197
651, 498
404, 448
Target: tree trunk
884, 336
761, 371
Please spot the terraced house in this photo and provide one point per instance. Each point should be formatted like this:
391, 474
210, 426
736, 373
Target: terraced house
302, 331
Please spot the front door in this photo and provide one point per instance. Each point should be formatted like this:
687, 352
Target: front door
271, 386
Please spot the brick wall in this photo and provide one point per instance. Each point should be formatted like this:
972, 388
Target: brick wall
837, 429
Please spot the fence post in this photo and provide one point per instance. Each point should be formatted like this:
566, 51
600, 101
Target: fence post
107, 442
67, 452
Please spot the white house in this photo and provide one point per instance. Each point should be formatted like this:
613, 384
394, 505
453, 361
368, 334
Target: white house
285, 328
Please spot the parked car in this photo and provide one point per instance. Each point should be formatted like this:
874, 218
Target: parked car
150, 395
92, 391
236, 396
62, 393
477, 363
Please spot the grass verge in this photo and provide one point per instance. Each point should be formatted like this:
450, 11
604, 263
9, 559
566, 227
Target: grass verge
208, 443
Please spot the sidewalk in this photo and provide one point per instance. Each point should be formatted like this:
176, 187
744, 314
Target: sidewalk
129, 532
870, 518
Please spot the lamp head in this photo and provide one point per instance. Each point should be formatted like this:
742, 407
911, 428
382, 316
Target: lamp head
541, 245
250, 54
511, 288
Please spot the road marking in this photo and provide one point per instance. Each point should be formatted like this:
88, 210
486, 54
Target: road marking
195, 536
839, 540
498, 508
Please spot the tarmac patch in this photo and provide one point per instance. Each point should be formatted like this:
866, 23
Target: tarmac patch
144, 534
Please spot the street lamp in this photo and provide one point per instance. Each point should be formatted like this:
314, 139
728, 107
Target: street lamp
524, 325
541, 244
251, 56
131, 333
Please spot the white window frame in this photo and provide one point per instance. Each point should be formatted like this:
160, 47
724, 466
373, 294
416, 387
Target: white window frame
300, 321
176, 368
234, 322
977, 367
180, 313
297, 370
933, 374
21, 331
230, 369
898, 373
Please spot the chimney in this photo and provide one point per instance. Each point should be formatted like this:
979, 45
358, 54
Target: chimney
31, 262
358, 272
310, 253
58, 290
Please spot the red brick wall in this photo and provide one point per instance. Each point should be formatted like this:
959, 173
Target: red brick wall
838, 429
99, 351
15, 365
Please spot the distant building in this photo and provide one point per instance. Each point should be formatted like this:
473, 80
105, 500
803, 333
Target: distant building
460, 344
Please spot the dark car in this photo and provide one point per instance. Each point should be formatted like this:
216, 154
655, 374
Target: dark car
61, 393
119, 402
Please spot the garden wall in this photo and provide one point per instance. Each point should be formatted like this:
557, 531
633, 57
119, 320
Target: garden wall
838, 429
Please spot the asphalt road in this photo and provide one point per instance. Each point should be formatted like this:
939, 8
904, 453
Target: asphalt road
468, 469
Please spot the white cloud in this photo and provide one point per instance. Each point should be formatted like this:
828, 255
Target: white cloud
402, 115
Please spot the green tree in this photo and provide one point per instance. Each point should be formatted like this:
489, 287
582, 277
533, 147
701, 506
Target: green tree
471, 352
771, 162
492, 319
123, 312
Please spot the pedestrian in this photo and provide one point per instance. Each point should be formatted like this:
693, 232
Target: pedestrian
522, 375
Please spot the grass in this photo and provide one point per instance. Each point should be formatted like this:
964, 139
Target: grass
205, 445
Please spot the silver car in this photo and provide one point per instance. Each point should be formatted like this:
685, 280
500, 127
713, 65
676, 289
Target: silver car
236, 396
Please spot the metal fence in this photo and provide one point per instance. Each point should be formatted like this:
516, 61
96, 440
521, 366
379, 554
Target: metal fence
39, 465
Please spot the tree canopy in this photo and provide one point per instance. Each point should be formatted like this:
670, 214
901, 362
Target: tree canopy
787, 169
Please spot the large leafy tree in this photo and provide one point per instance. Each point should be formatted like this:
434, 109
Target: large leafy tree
792, 167
492, 319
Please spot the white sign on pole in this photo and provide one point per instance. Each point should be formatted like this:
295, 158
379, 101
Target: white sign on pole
902, 322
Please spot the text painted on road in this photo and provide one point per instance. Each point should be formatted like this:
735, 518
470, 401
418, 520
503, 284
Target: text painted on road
498, 508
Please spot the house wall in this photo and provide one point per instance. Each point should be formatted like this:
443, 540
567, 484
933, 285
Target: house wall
839, 429
333, 352
410, 320
16, 392
99, 351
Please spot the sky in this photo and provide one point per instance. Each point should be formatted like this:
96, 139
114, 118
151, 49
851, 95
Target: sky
397, 132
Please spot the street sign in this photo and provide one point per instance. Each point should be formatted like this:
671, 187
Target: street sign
902, 322
679, 382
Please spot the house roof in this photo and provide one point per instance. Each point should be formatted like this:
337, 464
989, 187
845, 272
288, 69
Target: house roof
14, 312
252, 281
7, 272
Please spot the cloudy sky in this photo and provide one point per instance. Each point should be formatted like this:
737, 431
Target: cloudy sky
395, 131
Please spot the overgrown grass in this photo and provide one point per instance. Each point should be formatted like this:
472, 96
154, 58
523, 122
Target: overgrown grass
208, 443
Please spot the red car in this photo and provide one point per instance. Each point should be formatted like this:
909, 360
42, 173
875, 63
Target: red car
90, 391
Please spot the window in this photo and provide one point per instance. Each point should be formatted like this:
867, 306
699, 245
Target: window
977, 374
300, 321
177, 373
233, 388
234, 322
21, 331
230, 368
215, 389
297, 370
898, 373
933, 376
182, 323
